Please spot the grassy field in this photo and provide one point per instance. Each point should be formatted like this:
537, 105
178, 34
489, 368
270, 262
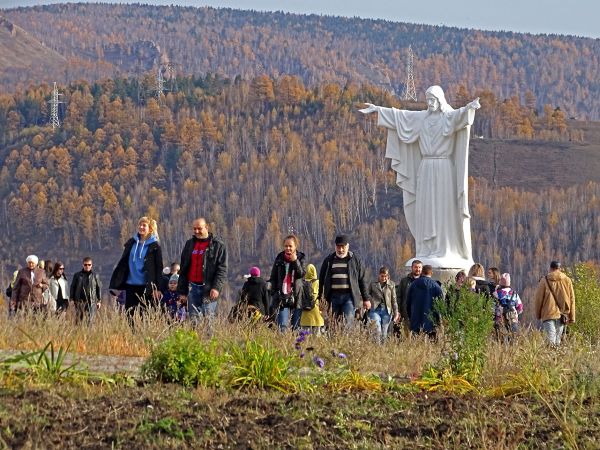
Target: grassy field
365, 395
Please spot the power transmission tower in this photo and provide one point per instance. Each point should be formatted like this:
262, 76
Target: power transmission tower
166, 72
290, 226
54, 120
410, 93
160, 83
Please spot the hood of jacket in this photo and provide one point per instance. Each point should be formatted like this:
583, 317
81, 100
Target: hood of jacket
556, 275
311, 272
138, 246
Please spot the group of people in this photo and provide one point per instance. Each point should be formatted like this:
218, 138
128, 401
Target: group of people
44, 287
294, 296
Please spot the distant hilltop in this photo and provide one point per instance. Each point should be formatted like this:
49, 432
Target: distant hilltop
107, 40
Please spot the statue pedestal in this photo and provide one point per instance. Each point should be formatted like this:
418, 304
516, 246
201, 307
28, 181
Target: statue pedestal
443, 270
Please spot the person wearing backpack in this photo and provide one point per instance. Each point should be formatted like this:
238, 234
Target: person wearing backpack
312, 319
257, 292
507, 309
286, 283
384, 306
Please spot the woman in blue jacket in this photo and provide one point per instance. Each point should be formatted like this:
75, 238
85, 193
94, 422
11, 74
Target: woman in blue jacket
139, 270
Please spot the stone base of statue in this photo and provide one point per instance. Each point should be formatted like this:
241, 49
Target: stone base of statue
444, 269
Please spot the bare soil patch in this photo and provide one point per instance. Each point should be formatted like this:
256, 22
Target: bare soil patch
168, 416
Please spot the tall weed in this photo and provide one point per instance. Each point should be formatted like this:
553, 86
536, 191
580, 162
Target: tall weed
183, 358
586, 284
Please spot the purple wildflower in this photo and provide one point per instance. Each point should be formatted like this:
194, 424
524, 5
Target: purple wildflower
319, 362
297, 346
342, 355
302, 355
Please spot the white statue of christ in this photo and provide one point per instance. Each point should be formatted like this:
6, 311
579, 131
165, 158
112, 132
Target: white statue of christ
430, 154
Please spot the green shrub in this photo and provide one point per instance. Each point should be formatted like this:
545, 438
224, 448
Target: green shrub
262, 366
467, 321
586, 284
183, 358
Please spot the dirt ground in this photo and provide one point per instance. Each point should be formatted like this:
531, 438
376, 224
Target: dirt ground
167, 416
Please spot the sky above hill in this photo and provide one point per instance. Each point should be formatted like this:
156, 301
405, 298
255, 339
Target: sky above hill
577, 17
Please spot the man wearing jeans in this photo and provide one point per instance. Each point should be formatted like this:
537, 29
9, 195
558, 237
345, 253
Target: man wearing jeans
342, 282
384, 306
554, 295
203, 271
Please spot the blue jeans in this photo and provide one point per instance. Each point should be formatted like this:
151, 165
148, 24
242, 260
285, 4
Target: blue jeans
342, 306
283, 316
381, 318
197, 306
553, 329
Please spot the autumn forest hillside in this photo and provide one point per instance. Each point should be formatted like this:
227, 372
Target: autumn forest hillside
259, 158
102, 40
262, 148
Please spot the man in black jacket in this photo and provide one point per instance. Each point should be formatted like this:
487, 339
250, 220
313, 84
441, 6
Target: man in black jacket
203, 271
342, 282
85, 292
416, 268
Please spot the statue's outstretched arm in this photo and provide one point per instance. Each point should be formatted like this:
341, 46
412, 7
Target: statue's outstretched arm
474, 104
369, 109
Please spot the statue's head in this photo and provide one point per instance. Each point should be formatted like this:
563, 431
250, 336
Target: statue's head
436, 100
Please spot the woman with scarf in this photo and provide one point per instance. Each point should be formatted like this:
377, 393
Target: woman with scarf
286, 276
139, 270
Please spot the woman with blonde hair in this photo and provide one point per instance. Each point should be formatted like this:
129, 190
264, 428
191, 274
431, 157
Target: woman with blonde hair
139, 270
482, 286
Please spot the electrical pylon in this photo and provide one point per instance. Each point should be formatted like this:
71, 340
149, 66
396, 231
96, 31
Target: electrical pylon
54, 120
410, 93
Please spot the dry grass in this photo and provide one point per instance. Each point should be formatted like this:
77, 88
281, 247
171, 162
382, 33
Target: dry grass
110, 334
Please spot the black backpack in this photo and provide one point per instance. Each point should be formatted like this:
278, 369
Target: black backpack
8, 291
307, 299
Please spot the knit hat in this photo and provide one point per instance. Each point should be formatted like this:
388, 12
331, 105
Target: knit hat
341, 240
174, 278
254, 271
505, 280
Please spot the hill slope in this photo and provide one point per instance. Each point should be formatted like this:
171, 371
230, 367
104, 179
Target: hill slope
20, 52
557, 70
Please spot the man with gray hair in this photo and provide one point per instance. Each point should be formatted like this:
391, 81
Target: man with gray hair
342, 282
29, 287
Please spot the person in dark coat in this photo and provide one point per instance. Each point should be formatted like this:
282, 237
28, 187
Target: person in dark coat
286, 276
203, 273
85, 292
139, 271
420, 298
256, 289
342, 282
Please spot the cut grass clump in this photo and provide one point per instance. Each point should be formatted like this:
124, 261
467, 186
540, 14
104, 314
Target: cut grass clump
183, 358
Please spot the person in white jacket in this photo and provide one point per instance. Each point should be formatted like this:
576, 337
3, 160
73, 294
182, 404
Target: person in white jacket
59, 289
